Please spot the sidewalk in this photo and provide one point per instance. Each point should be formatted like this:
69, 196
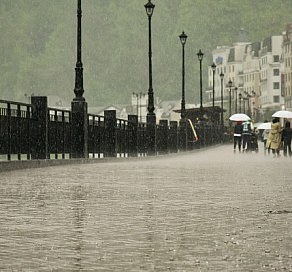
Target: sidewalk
208, 210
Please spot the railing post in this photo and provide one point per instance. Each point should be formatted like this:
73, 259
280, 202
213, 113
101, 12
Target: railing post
9, 134
39, 128
133, 134
172, 138
183, 135
163, 141
18, 132
110, 122
79, 129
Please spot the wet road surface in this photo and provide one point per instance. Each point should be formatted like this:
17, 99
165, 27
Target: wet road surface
209, 210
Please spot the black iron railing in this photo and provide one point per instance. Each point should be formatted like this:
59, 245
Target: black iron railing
35, 131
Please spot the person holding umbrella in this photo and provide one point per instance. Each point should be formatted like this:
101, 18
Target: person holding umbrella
286, 136
274, 139
247, 128
237, 135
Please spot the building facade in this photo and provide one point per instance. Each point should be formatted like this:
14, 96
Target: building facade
287, 69
261, 75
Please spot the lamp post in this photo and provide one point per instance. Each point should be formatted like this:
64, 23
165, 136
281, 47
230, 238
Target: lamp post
230, 86
79, 108
139, 104
149, 10
28, 97
248, 96
235, 92
240, 97
79, 67
200, 55
222, 77
137, 99
213, 67
183, 39
151, 118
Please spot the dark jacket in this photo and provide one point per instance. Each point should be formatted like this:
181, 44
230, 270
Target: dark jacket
287, 135
238, 129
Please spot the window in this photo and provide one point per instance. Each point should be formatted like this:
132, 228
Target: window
276, 58
276, 72
276, 85
276, 99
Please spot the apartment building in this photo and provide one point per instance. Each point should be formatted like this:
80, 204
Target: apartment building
270, 74
287, 69
220, 58
255, 70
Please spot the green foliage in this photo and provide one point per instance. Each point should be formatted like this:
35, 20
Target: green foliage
38, 44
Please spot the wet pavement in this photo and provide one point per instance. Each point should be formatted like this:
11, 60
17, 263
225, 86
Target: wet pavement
208, 210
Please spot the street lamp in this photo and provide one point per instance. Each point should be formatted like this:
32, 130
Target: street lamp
137, 99
79, 69
230, 86
151, 118
213, 67
149, 10
200, 55
222, 77
235, 92
183, 39
240, 97
248, 96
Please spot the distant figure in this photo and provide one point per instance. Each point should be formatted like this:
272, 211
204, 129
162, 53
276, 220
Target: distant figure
274, 138
265, 137
237, 136
247, 128
286, 136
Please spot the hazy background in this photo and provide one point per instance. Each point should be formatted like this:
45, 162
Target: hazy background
38, 44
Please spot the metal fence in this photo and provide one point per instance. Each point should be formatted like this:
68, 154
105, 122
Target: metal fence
26, 135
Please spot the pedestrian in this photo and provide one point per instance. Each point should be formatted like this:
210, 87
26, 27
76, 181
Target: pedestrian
265, 136
286, 136
237, 136
274, 138
247, 128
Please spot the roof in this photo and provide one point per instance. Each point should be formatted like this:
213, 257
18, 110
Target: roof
255, 47
267, 42
231, 56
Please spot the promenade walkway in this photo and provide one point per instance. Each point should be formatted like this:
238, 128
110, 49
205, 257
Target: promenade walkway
207, 210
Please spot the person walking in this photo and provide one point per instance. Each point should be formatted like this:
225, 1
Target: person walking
265, 137
247, 128
237, 136
286, 136
274, 138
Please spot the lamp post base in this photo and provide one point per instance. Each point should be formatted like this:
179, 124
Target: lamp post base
79, 131
151, 134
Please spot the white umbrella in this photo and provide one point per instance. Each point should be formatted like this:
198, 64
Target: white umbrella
239, 117
256, 125
283, 114
264, 126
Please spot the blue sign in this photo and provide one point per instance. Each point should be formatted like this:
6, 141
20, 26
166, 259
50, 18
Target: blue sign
219, 60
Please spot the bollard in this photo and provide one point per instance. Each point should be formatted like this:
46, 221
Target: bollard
162, 142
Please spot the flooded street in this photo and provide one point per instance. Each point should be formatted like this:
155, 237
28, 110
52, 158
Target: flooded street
209, 210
